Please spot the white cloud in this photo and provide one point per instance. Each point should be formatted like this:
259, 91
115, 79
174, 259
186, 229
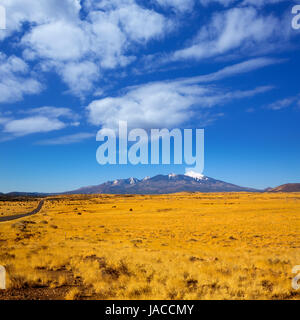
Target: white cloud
15, 79
58, 40
233, 70
120, 25
81, 49
142, 24
82, 46
173, 103
68, 139
30, 125
108, 42
164, 104
146, 106
242, 29
53, 112
284, 103
80, 77
44, 119
37, 12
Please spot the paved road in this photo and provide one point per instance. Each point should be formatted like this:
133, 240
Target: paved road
18, 216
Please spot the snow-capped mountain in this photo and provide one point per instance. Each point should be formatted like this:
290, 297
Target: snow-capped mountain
195, 175
162, 184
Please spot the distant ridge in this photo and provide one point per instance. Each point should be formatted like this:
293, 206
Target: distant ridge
289, 187
160, 184
163, 184
22, 194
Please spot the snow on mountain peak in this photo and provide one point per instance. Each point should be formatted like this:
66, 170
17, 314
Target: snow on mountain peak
172, 175
195, 175
132, 181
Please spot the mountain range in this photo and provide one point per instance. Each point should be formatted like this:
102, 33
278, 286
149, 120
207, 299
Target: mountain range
163, 184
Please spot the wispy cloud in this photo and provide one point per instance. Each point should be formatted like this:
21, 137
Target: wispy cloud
22, 127
284, 103
241, 28
234, 70
165, 104
175, 102
68, 139
53, 112
40, 120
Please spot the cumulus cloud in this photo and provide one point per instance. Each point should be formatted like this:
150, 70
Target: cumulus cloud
171, 103
57, 40
80, 77
16, 79
108, 42
80, 48
146, 106
142, 24
82, 40
159, 105
37, 12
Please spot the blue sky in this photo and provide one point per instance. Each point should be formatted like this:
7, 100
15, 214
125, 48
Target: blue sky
70, 67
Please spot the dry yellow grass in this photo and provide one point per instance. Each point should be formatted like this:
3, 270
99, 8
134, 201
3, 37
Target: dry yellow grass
8, 208
183, 246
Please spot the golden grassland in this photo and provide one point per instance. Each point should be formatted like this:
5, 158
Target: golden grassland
8, 208
182, 246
